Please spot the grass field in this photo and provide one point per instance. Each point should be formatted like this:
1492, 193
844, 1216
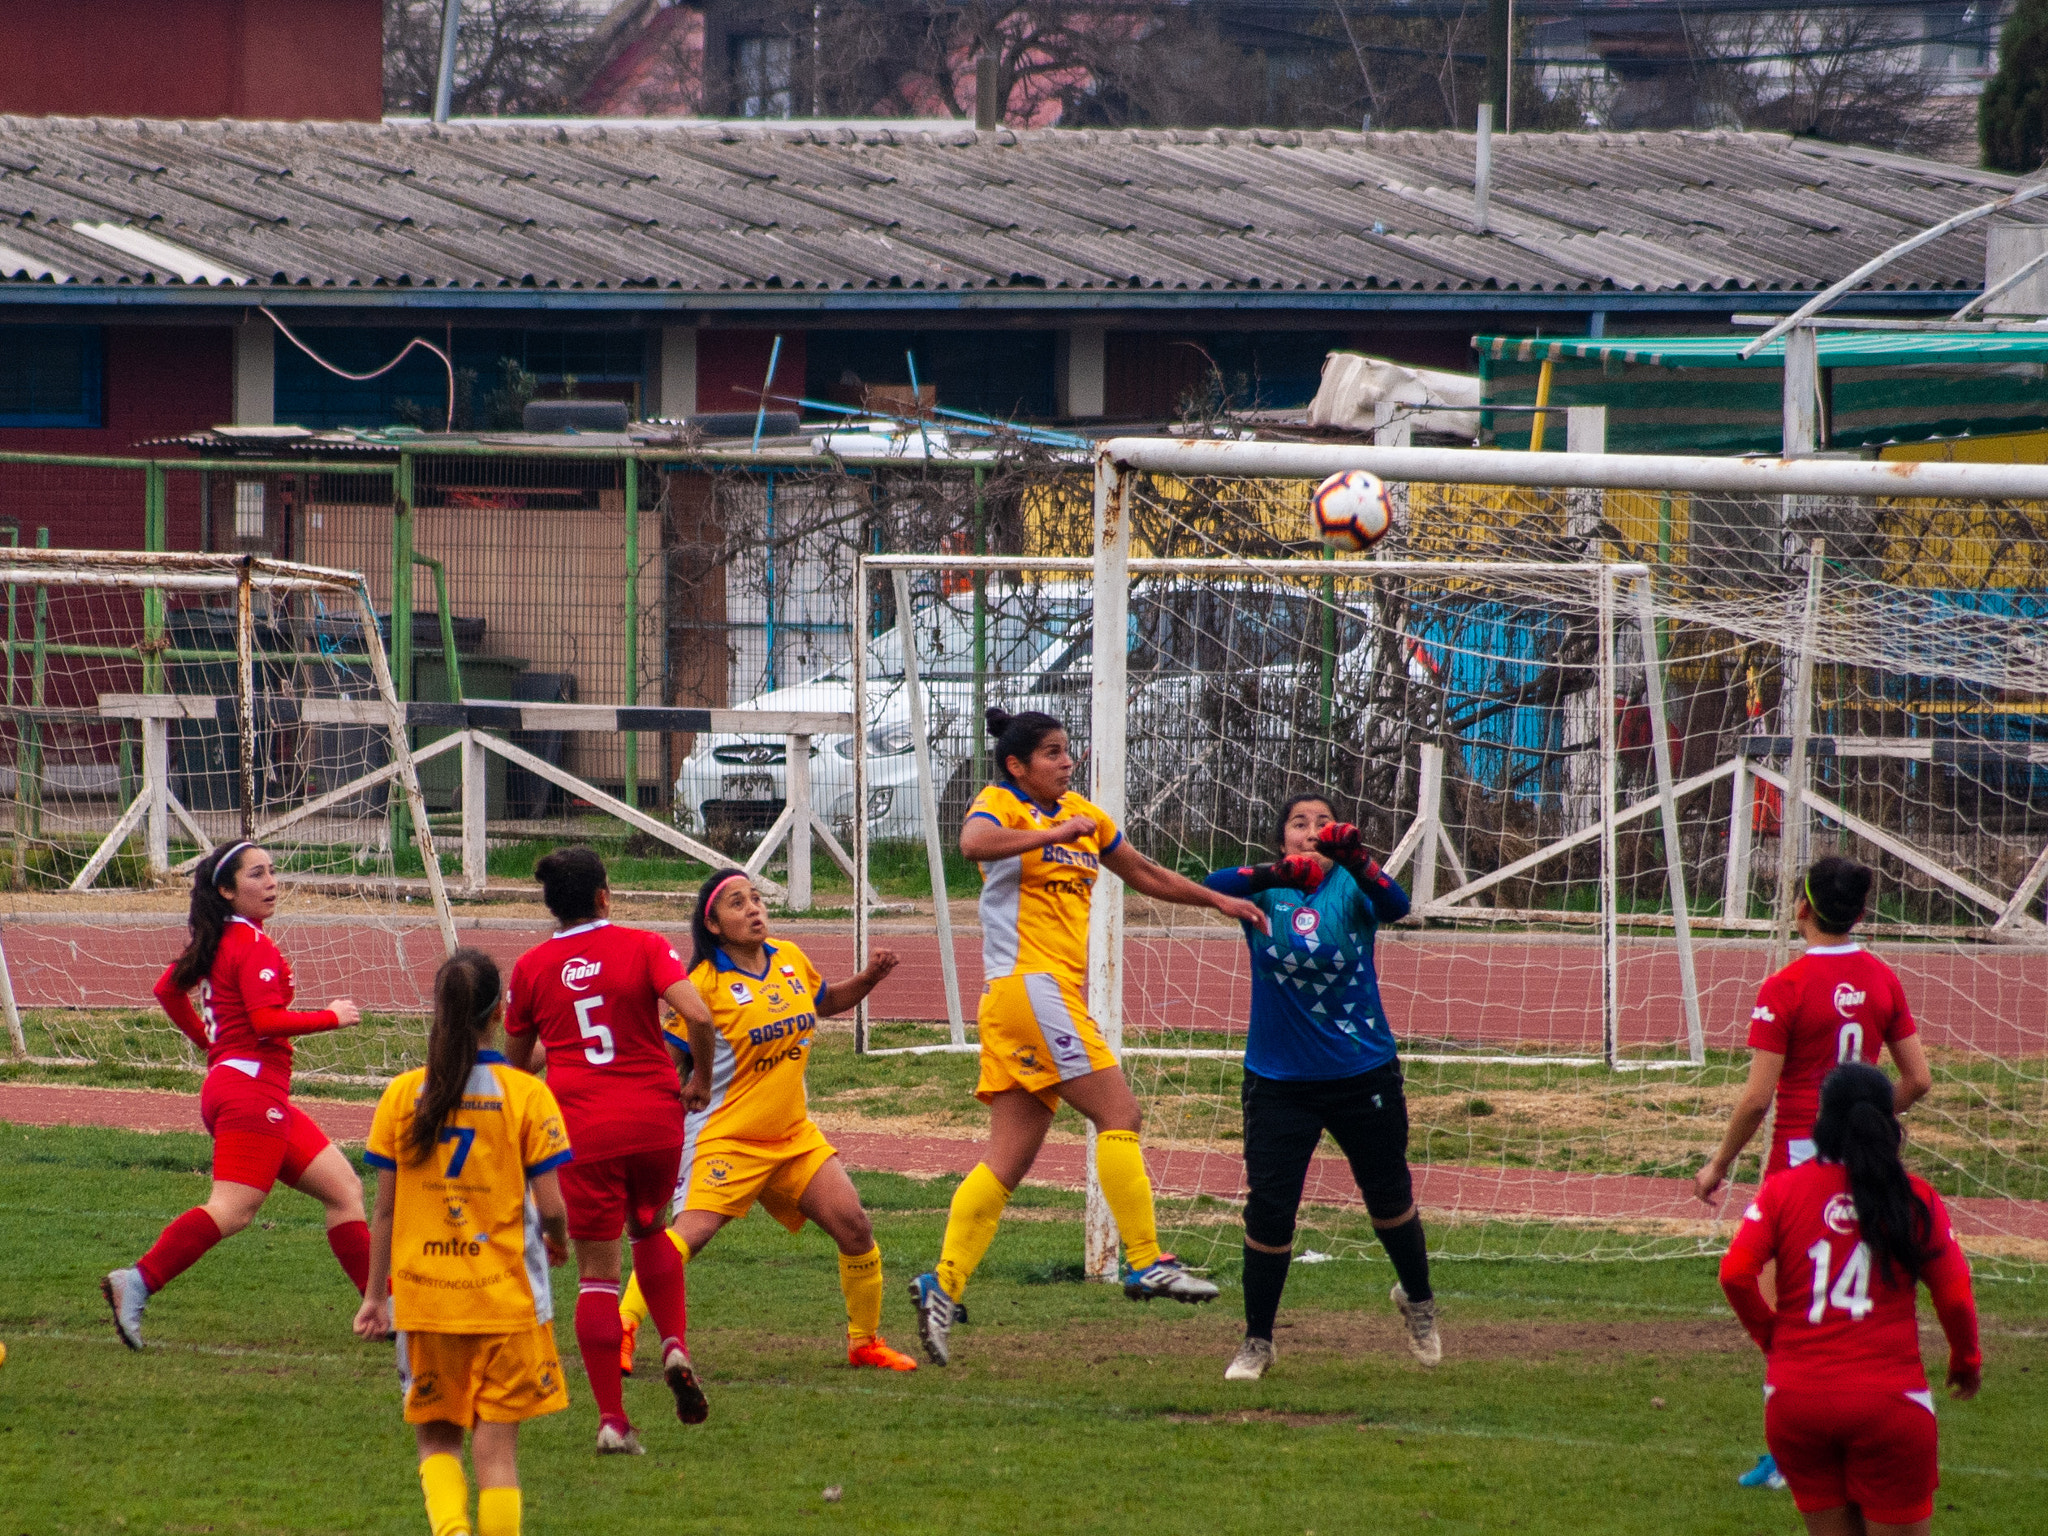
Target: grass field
1070, 1409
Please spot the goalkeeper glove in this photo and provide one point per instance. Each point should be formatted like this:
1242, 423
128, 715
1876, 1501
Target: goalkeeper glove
1341, 844
1296, 873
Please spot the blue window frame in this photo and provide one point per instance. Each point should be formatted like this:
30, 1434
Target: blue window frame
50, 376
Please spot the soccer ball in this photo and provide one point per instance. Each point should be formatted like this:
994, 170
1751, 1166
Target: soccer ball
1351, 510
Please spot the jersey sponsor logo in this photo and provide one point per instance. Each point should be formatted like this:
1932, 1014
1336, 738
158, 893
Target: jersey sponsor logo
1306, 920
274, 1115
578, 974
1847, 997
1760, 1012
742, 993
780, 1029
1059, 853
267, 974
451, 1248
1840, 1214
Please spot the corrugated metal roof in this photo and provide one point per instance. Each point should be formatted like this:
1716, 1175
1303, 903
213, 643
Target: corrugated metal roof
1837, 349
783, 209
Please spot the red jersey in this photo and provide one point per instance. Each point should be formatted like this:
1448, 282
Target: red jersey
1840, 1325
593, 995
1829, 1006
242, 1020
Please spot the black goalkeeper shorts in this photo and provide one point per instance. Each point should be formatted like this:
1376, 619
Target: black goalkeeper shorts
1284, 1121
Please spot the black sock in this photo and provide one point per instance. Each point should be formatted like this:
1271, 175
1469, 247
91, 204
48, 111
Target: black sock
1410, 1254
1265, 1277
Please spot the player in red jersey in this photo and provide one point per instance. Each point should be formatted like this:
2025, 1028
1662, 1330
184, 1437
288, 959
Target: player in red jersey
1836, 1003
587, 1005
244, 1023
1847, 1412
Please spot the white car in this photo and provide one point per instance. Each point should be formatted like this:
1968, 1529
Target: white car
738, 780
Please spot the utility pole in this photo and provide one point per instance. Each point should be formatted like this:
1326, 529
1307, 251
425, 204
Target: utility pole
1500, 59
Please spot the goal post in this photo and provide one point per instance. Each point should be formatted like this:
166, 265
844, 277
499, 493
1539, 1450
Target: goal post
159, 704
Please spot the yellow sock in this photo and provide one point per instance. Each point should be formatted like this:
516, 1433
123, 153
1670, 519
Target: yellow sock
497, 1512
1127, 1188
970, 1227
633, 1305
860, 1279
447, 1491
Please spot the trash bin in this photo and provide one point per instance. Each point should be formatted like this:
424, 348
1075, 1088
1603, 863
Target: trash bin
206, 755
483, 677
528, 796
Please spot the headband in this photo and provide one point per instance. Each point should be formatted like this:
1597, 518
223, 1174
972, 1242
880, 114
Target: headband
222, 862
1806, 884
712, 895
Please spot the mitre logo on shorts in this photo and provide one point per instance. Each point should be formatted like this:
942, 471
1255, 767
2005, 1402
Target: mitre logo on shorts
1847, 997
1840, 1214
1306, 919
274, 1114
579, 973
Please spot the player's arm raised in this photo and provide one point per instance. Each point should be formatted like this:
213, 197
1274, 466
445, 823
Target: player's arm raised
835, 997
1765, 1068
1149, 879
985, 840
373, 1317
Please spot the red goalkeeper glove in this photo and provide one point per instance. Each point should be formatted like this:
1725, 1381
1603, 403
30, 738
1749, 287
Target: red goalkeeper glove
1298, 872
1341, 843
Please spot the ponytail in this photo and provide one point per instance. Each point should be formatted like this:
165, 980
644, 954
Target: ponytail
1858, 1129
466, 992
208, 916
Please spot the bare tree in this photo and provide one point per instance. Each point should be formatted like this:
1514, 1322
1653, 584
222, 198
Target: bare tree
511, 55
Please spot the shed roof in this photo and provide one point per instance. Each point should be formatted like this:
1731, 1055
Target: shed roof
1837, 349
675, 212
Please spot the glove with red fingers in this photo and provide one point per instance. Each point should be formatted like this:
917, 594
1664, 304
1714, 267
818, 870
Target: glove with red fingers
1341, 843
1298, 872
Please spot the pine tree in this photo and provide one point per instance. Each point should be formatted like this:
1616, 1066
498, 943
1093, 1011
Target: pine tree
2012, 116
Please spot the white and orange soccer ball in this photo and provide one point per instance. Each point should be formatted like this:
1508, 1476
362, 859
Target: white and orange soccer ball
1351, 510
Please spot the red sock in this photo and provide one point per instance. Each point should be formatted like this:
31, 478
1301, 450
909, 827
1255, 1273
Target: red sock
178, 1247
597, 1338
660, 1269
351, 1244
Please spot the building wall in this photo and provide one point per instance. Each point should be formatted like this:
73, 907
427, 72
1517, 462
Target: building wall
281, 60
731, 365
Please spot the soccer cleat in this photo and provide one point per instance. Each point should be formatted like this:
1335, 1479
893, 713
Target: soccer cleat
1764, 1474
629, 1337
681, 1377
936, 1312
1424, 1342
1253, 1359
618, 1440
879, 1355
1167, 1276
127, 1293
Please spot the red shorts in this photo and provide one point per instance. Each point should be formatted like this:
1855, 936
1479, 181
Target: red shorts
602, 1192
1875, 1450
259, 1135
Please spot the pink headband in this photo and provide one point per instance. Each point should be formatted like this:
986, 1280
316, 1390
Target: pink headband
711, 895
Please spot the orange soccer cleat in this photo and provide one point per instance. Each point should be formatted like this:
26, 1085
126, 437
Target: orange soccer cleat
879, 1355
629, 1336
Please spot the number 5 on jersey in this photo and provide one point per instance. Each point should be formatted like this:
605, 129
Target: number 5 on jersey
600, 1050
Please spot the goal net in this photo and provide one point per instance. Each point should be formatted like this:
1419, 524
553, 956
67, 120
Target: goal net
1595, 733
159, 705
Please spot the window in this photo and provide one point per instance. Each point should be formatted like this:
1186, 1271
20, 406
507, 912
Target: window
50, 376
763, 72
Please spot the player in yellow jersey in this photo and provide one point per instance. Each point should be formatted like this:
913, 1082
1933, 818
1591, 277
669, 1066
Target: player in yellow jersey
1040, 847
469, 1218
750, 1136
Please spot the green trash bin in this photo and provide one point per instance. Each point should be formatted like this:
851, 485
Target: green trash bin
483, 677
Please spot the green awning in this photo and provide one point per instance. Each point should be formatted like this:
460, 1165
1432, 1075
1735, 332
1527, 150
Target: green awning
1838, 349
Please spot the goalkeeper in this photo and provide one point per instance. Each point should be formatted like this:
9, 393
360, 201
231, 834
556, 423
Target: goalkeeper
1319, 1056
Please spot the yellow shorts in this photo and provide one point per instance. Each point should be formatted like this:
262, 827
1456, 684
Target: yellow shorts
490, 1378
725, 1175
1036, 1034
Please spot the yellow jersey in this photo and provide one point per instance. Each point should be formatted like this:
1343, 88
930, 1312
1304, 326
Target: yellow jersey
762, 1026
1034, 906
466, 1248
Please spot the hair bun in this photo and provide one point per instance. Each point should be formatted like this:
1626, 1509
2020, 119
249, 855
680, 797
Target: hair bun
999, 719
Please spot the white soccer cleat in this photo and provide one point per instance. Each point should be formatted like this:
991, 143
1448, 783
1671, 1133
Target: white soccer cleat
618, 1440
127, 1293
936, 1314
1253, 1359
1424, 1342
1167, 1276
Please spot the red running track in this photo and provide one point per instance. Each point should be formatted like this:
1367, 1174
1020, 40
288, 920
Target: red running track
1528, 992
1514, 1194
